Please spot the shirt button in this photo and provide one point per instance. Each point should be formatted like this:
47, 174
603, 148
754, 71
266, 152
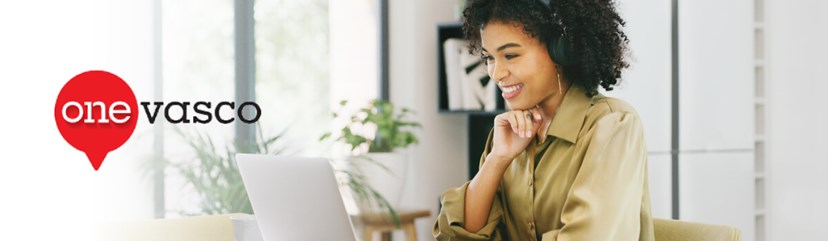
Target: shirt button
530, 183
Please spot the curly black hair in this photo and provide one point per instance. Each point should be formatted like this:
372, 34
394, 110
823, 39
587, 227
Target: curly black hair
593, 29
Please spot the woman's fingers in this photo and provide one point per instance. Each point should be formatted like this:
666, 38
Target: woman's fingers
510, 117
530, 123
524, 123
521, 119
537, 114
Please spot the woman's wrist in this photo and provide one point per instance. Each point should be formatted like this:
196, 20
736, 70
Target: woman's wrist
499, 162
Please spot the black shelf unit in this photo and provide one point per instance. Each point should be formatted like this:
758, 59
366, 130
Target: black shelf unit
445, 31
479, 121
479, 125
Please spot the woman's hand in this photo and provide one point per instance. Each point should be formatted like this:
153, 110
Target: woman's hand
513, 131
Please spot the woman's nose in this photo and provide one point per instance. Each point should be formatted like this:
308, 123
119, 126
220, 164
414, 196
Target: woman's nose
497, 72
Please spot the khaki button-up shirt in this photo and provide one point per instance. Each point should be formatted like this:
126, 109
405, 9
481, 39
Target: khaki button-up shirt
587, 181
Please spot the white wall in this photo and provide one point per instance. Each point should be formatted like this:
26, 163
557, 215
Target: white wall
716, 120
439, 161
797, 115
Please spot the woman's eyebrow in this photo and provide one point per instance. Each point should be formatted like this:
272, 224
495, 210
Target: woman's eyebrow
505, 46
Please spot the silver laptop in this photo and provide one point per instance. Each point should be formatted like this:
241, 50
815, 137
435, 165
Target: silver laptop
295, 198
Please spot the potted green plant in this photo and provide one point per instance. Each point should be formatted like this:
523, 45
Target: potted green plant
213, 172
376, 154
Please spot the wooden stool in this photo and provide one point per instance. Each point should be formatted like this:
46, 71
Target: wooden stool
383, 223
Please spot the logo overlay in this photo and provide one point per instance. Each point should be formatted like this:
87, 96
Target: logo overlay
96, 112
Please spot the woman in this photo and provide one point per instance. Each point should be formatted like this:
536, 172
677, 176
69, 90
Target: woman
566, 162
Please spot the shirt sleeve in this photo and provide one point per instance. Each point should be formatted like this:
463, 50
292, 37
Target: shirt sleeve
604, 202
450, 225
450, 222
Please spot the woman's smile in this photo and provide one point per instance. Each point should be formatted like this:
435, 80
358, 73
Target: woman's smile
512, 90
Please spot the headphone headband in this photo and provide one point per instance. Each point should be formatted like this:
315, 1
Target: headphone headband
558, 48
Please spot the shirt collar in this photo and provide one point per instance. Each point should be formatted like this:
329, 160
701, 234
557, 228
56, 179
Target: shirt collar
571, 115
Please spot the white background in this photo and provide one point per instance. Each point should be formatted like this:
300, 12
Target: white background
49, 189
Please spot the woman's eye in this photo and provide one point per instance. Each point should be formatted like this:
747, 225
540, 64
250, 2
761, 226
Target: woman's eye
511, 56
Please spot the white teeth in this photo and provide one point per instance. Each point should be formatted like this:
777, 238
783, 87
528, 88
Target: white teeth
512, 88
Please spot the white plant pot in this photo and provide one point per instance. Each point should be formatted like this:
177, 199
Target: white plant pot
246, 228
389, 183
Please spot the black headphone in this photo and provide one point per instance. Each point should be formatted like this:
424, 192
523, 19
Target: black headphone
559, 49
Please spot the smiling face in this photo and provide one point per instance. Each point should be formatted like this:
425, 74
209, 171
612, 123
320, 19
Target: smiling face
519, 63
